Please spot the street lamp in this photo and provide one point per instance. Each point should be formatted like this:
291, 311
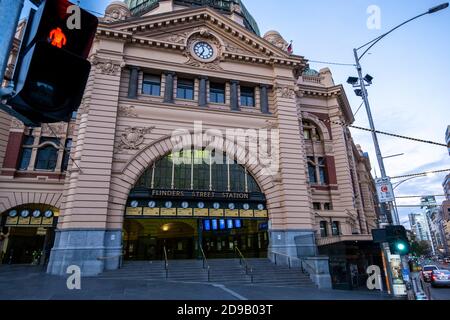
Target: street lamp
361, 83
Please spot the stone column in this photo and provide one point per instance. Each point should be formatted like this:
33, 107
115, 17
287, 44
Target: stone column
292, 232
82, 237
264, 98
234, 95
168, 92
203, 92
134, 82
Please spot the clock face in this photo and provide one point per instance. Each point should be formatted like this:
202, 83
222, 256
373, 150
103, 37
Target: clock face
185, 205
36, 213
25, 213
48, 214
203, 50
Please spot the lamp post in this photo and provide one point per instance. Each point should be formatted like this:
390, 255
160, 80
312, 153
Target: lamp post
363, 82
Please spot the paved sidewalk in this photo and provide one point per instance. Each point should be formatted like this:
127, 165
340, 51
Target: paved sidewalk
30, 283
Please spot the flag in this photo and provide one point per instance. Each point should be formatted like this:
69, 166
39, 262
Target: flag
290, 49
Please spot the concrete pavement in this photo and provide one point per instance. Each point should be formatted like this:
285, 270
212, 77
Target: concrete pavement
31, 283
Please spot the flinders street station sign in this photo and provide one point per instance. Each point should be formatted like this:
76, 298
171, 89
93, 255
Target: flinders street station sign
179, 203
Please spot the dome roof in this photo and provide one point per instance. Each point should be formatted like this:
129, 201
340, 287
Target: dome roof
140, 7
310, 72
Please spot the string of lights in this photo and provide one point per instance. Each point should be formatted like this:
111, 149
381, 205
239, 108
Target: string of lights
387, 133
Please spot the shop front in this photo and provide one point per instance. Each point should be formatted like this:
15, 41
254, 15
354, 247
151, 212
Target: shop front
28, 233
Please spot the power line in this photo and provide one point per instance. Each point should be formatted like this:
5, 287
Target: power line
409, 197
421, 174
333, 63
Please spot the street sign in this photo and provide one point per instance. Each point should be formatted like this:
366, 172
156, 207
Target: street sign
384, 190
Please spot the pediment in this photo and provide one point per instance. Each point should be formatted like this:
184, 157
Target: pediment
175, 29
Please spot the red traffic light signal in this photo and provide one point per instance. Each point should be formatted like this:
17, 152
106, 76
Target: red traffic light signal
53, 69
77, 25
57, 38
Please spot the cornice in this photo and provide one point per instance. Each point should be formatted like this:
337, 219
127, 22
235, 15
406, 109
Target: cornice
127, 29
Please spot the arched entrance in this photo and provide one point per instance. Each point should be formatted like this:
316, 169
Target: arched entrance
193, 199
27, 234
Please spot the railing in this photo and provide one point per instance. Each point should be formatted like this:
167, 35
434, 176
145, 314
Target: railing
205, 263
289, 259
313, 79
166, 263
120, 256
248, 268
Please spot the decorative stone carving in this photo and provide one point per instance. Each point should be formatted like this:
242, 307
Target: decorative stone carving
236, 8
17, 124
232, 49
133, 137
287, 92
127, 112
58, 129
203, 34
116, 11
108, 67
277, 40
270, 125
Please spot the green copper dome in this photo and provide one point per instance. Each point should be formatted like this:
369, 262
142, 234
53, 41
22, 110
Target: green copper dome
140, 7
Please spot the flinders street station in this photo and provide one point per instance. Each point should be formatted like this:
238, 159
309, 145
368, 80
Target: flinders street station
200, 137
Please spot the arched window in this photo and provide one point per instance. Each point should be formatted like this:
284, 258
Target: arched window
311, 132
198, 170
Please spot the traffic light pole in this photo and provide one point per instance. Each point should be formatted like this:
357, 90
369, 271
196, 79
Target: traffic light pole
11, 10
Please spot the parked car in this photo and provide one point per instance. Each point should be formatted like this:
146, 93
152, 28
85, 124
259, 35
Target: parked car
440, 278
427, 271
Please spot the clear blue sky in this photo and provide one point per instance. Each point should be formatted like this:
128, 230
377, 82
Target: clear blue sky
411, 70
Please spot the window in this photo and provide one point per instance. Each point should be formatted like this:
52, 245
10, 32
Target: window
323, 229
25, 155
66, 155
247, 97
185, 89
217, 93
317, 206
194, 170
312, 170
311, 131
307, 133
47, 156
335, 228
327, 206
151, 85
322, 171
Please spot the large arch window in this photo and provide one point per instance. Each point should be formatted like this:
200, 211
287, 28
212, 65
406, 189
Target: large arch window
198, 170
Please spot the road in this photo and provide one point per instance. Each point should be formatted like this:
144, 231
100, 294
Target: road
438, 293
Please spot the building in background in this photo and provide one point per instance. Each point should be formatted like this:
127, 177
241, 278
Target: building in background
107, 185
446, 204
419, 226
433, 213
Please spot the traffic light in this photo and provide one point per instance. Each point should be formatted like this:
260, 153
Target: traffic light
398, 240
54, 69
